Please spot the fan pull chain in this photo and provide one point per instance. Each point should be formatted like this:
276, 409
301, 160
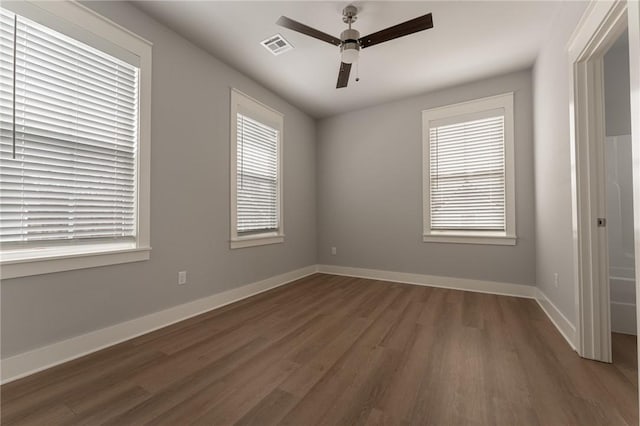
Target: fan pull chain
357, 71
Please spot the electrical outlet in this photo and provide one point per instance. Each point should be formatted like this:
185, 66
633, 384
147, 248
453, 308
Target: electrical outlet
334, 251
182, 277
555, 279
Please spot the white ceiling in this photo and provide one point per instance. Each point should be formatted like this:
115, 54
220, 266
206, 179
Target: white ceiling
470, 40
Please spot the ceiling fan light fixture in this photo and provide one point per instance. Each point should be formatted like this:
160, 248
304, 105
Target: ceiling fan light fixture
350, 53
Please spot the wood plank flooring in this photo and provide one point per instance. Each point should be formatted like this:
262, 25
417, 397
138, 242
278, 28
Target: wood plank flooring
340, 351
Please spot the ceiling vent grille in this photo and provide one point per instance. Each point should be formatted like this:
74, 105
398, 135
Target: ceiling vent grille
276, 44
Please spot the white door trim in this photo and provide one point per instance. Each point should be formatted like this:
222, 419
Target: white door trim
601, 25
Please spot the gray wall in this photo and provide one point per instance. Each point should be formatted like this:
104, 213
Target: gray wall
370, 190
189, 205
554, 238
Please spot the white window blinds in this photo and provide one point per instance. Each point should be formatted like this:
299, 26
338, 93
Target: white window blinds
257, 176
68, 127
467, 175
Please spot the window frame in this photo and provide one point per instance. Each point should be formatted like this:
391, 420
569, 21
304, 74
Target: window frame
78, 21
508, 237
257, 110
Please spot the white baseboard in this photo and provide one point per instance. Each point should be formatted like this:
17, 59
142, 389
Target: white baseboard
27, 363
479, 286
623, 318
564, 326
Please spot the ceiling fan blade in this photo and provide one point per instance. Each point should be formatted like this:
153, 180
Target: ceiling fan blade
343, 75
306, 30
409, 27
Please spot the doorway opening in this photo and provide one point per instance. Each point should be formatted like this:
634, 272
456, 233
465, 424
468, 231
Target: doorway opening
619, 204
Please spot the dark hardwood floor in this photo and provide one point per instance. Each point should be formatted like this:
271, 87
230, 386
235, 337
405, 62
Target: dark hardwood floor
338, 350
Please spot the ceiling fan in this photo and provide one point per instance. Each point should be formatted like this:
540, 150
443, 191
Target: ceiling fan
350, 41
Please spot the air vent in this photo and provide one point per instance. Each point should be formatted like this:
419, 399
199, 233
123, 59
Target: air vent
276, 44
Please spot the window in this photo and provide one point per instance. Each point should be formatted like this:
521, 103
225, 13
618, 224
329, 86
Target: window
256, 169
73, 140
468, 172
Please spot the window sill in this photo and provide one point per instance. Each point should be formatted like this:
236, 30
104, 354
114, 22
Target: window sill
23, 263
256, 240
469, 238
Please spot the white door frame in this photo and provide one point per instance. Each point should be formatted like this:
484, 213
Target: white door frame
600, 26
